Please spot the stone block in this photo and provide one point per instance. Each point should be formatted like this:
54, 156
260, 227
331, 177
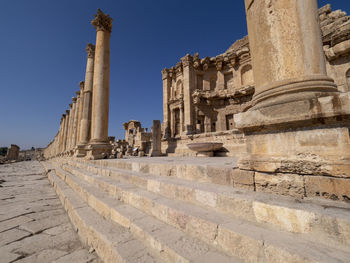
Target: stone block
328, 187
243, 179
283, 184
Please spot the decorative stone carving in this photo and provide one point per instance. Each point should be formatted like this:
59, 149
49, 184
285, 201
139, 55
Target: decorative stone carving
165, 73
187, 60
90, 50
196, 61
178, 67
102, 22
219, 60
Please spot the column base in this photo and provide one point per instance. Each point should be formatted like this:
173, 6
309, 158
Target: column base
98, 151
309, 137
80, 150
156, 153
307, 87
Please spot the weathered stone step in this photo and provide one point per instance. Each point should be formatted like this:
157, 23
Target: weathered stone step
321, 220
223, 171
171, 244
112, 242
248, 241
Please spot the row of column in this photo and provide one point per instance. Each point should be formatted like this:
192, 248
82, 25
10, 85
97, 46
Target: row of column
83, 128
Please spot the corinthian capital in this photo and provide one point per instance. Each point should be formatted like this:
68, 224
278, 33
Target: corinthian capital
90, 50
187, 60
102, 21
165, 73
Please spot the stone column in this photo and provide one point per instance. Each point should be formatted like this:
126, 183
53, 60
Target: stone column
172, 123
188, 84
166, 96
59, 150
99, 145
80, 113
85, 124
76, 120
287, 51
298, 125
181, 118
71, 128
156, 138
64, 147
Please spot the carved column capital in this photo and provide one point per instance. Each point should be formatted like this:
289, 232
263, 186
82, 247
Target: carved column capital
81, 85
219, 60
187, 60
165, 73
90, 50
74, 99
102, 22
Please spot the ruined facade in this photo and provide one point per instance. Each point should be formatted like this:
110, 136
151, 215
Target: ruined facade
202, 95
137, 138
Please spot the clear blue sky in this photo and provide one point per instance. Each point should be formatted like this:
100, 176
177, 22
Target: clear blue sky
43, 56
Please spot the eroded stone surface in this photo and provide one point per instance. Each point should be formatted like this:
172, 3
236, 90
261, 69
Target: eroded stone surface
33, 224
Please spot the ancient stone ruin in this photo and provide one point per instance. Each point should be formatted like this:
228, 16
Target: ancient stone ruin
12, 153
277, 190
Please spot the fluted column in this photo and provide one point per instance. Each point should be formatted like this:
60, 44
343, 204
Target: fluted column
85, 124
287, 51
99, 145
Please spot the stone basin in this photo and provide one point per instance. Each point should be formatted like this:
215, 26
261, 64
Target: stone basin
205, 149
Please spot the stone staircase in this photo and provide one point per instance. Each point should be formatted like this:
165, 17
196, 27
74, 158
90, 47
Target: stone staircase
140, 210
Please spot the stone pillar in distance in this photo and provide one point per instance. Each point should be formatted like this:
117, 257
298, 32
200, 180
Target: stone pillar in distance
166, 96
80, 113
99, 146
156, 138
75, 121
85, 124
64, 147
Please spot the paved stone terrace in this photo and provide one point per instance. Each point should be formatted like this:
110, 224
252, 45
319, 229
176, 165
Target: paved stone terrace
33, 224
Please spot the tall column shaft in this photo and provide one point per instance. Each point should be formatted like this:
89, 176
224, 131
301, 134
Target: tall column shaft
287, 52
76, 120
166, 96
71, 128
65, 131
80, 113
99, 146
85, 126
100, 97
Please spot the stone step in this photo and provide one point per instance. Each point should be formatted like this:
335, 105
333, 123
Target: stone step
112, 242
248, 241
223, 170
171, 244
322, 220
